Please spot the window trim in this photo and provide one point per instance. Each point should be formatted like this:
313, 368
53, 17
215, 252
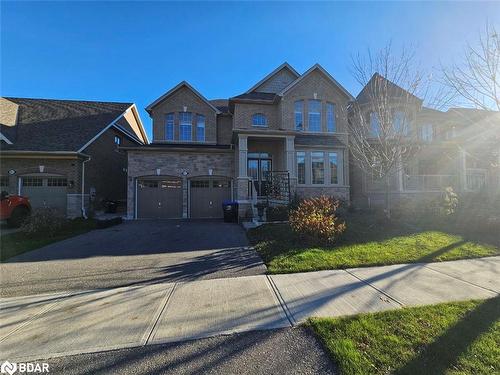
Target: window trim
184, 125
199, 126
295, 113
309, 113
323, 162
262, 116
304, 155
334, 122
341, 182
167, 126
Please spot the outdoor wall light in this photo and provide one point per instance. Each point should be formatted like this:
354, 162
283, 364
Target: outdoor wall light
158, 171
41, 168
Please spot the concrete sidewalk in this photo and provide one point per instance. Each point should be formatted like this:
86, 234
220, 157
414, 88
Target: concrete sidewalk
55, 325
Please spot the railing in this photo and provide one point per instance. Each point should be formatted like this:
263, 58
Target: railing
278, 187
429, 182
475, 178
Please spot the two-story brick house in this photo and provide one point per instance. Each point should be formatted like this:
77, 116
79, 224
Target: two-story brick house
285, 135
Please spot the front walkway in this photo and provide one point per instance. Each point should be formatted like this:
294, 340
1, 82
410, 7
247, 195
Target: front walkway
54, 325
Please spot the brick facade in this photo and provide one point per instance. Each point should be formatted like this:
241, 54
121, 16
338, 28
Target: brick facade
174, 163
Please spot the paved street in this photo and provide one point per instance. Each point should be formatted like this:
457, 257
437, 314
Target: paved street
133, 253
62, 324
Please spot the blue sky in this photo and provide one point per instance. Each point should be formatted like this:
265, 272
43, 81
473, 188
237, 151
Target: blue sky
135, 51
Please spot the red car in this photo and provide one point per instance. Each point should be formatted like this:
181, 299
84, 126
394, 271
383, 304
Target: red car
14, 208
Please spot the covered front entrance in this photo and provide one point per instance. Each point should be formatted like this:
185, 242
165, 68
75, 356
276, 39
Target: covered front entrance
206, 195
45, 191
159, 198
258, 167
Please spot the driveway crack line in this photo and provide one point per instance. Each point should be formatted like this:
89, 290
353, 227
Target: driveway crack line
281, 301
374, 287
462, 280
159, 313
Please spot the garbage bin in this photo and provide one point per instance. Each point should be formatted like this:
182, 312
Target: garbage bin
230, 209
110, 207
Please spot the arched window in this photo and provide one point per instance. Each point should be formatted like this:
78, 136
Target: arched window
259, 119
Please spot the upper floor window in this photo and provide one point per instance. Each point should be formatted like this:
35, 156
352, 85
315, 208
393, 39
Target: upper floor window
299, 115
450, 133
314, 115
169, 127
185, 124
400, 122
259, 119
427, 132
118, 140
374, 124
330, 118
200, 128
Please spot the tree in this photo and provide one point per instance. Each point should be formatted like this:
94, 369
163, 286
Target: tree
381, 134
476, 79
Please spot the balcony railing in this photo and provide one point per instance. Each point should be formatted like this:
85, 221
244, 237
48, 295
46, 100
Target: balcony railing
476, 179
429, 182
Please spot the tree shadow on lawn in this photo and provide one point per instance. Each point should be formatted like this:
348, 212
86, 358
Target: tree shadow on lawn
445, 351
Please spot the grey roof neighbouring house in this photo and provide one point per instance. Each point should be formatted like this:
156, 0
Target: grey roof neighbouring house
59, 125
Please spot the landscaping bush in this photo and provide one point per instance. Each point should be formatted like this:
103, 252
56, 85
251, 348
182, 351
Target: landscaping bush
46, 221
277, 213
315, 219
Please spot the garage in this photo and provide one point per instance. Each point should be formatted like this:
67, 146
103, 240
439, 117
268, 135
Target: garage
46, 191
207, 195
159, 198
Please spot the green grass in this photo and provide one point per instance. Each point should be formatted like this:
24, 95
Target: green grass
450, 338
367, 242
17, 243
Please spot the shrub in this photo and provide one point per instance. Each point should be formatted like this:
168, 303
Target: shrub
46, 221
449, 201
316, 220
277, 213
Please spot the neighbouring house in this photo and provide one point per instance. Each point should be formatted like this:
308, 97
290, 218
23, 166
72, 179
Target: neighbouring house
459, 148
65, 153
283, 136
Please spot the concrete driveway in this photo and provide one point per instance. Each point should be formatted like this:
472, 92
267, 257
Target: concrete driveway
133, 253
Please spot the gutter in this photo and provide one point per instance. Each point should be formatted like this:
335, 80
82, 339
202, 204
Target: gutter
84, 213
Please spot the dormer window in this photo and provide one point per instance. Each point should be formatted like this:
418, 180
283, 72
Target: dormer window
259, 119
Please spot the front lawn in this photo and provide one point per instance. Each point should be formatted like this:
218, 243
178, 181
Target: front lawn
450, 338
17, 243
366, 242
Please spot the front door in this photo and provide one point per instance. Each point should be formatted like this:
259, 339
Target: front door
258, 169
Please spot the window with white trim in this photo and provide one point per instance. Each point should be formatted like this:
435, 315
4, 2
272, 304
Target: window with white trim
331, 126
334, 165
400, 122
200, 128
169, 127
314, 108
185, 126
318, 167
301, 167
427, 132
259, 119
299, 115
374, 124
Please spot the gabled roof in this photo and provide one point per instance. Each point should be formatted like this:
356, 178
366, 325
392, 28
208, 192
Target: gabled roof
285, 65
174, 89
393, 90
221, 104
322, 70
61, 125
257, 96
